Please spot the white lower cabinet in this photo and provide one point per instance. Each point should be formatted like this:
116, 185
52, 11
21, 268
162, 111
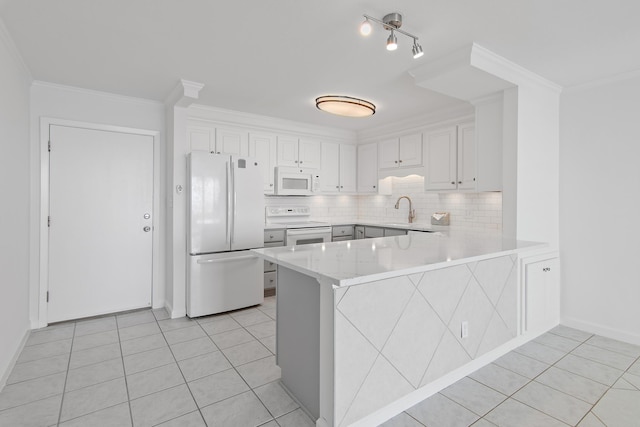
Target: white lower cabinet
540, 293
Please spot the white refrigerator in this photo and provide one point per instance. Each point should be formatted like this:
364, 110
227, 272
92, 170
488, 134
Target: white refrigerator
225, 220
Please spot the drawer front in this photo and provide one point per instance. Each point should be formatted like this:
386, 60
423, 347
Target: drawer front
269, 266
273, 244
270, 280
394, 232
342, 230
342, 238
359, 232
373, 232
273, 236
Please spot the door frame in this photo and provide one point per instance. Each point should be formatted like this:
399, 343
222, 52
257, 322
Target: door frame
156, 274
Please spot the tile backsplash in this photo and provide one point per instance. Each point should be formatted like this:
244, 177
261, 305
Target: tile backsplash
469, 210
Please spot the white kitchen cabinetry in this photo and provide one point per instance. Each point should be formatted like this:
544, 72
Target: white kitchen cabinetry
298, 152
263, 148
450, 159
541, 292
368, 168
338, 171
218, 140
405, 151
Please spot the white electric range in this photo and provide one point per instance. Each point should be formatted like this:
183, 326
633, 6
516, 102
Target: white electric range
299, 229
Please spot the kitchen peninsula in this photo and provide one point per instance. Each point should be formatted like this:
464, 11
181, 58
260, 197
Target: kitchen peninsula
363, 323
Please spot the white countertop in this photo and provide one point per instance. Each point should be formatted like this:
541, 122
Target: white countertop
405, 226
360, 261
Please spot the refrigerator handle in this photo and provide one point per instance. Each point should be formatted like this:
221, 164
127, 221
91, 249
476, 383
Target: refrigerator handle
233, 217
228, 231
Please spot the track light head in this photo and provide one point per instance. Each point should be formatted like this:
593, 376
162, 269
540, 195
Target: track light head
365, 27
392, 42
417, 50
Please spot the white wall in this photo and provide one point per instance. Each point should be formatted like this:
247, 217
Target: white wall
69, 103
14, 210
600, 208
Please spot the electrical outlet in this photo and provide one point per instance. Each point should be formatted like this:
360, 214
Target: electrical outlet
464, 329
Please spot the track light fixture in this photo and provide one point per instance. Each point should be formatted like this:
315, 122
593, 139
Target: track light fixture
391, 22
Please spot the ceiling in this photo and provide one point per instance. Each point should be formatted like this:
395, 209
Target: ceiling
275, 57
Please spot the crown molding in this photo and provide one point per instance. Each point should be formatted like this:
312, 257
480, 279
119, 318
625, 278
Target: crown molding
7, 40
503, 68
184, 94
205, 113
107, 95
443, 117
603, 81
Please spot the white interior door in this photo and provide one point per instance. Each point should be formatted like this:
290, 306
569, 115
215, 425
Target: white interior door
100, 234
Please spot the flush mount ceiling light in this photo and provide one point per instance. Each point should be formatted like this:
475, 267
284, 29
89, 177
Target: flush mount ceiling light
391, 22
345, 106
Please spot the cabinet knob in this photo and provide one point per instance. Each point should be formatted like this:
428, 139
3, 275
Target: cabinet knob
337, 186
271, 236
400, 161
296, 161
270, 185
453, 182
300, 161
396, 161
341, 186
459, 182
374, 186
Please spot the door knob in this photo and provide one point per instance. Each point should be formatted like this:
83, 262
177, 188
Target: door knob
147, 229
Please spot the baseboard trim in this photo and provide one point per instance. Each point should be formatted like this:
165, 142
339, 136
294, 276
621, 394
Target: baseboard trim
12, 364
602, 330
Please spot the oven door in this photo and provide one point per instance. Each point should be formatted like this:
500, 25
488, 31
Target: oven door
304, 236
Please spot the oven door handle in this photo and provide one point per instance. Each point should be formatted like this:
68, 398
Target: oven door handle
309, 231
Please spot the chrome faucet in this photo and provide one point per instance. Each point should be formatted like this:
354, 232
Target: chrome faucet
412, 212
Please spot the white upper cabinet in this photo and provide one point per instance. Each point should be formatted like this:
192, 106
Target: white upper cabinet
338, 171
201, 138
309, 153
304, 153
410, 150
405, 151
263, 148
466, 157
232, 141
348, 168
218, 140
330, 171
440, 149
368, 168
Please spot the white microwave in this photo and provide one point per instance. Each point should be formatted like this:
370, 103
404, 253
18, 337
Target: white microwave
296, 181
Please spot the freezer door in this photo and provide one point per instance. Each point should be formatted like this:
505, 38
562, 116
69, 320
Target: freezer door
248, 201
209, 202
223, 282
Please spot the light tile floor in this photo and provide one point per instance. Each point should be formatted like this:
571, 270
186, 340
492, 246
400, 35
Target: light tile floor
143, 369
564, 377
